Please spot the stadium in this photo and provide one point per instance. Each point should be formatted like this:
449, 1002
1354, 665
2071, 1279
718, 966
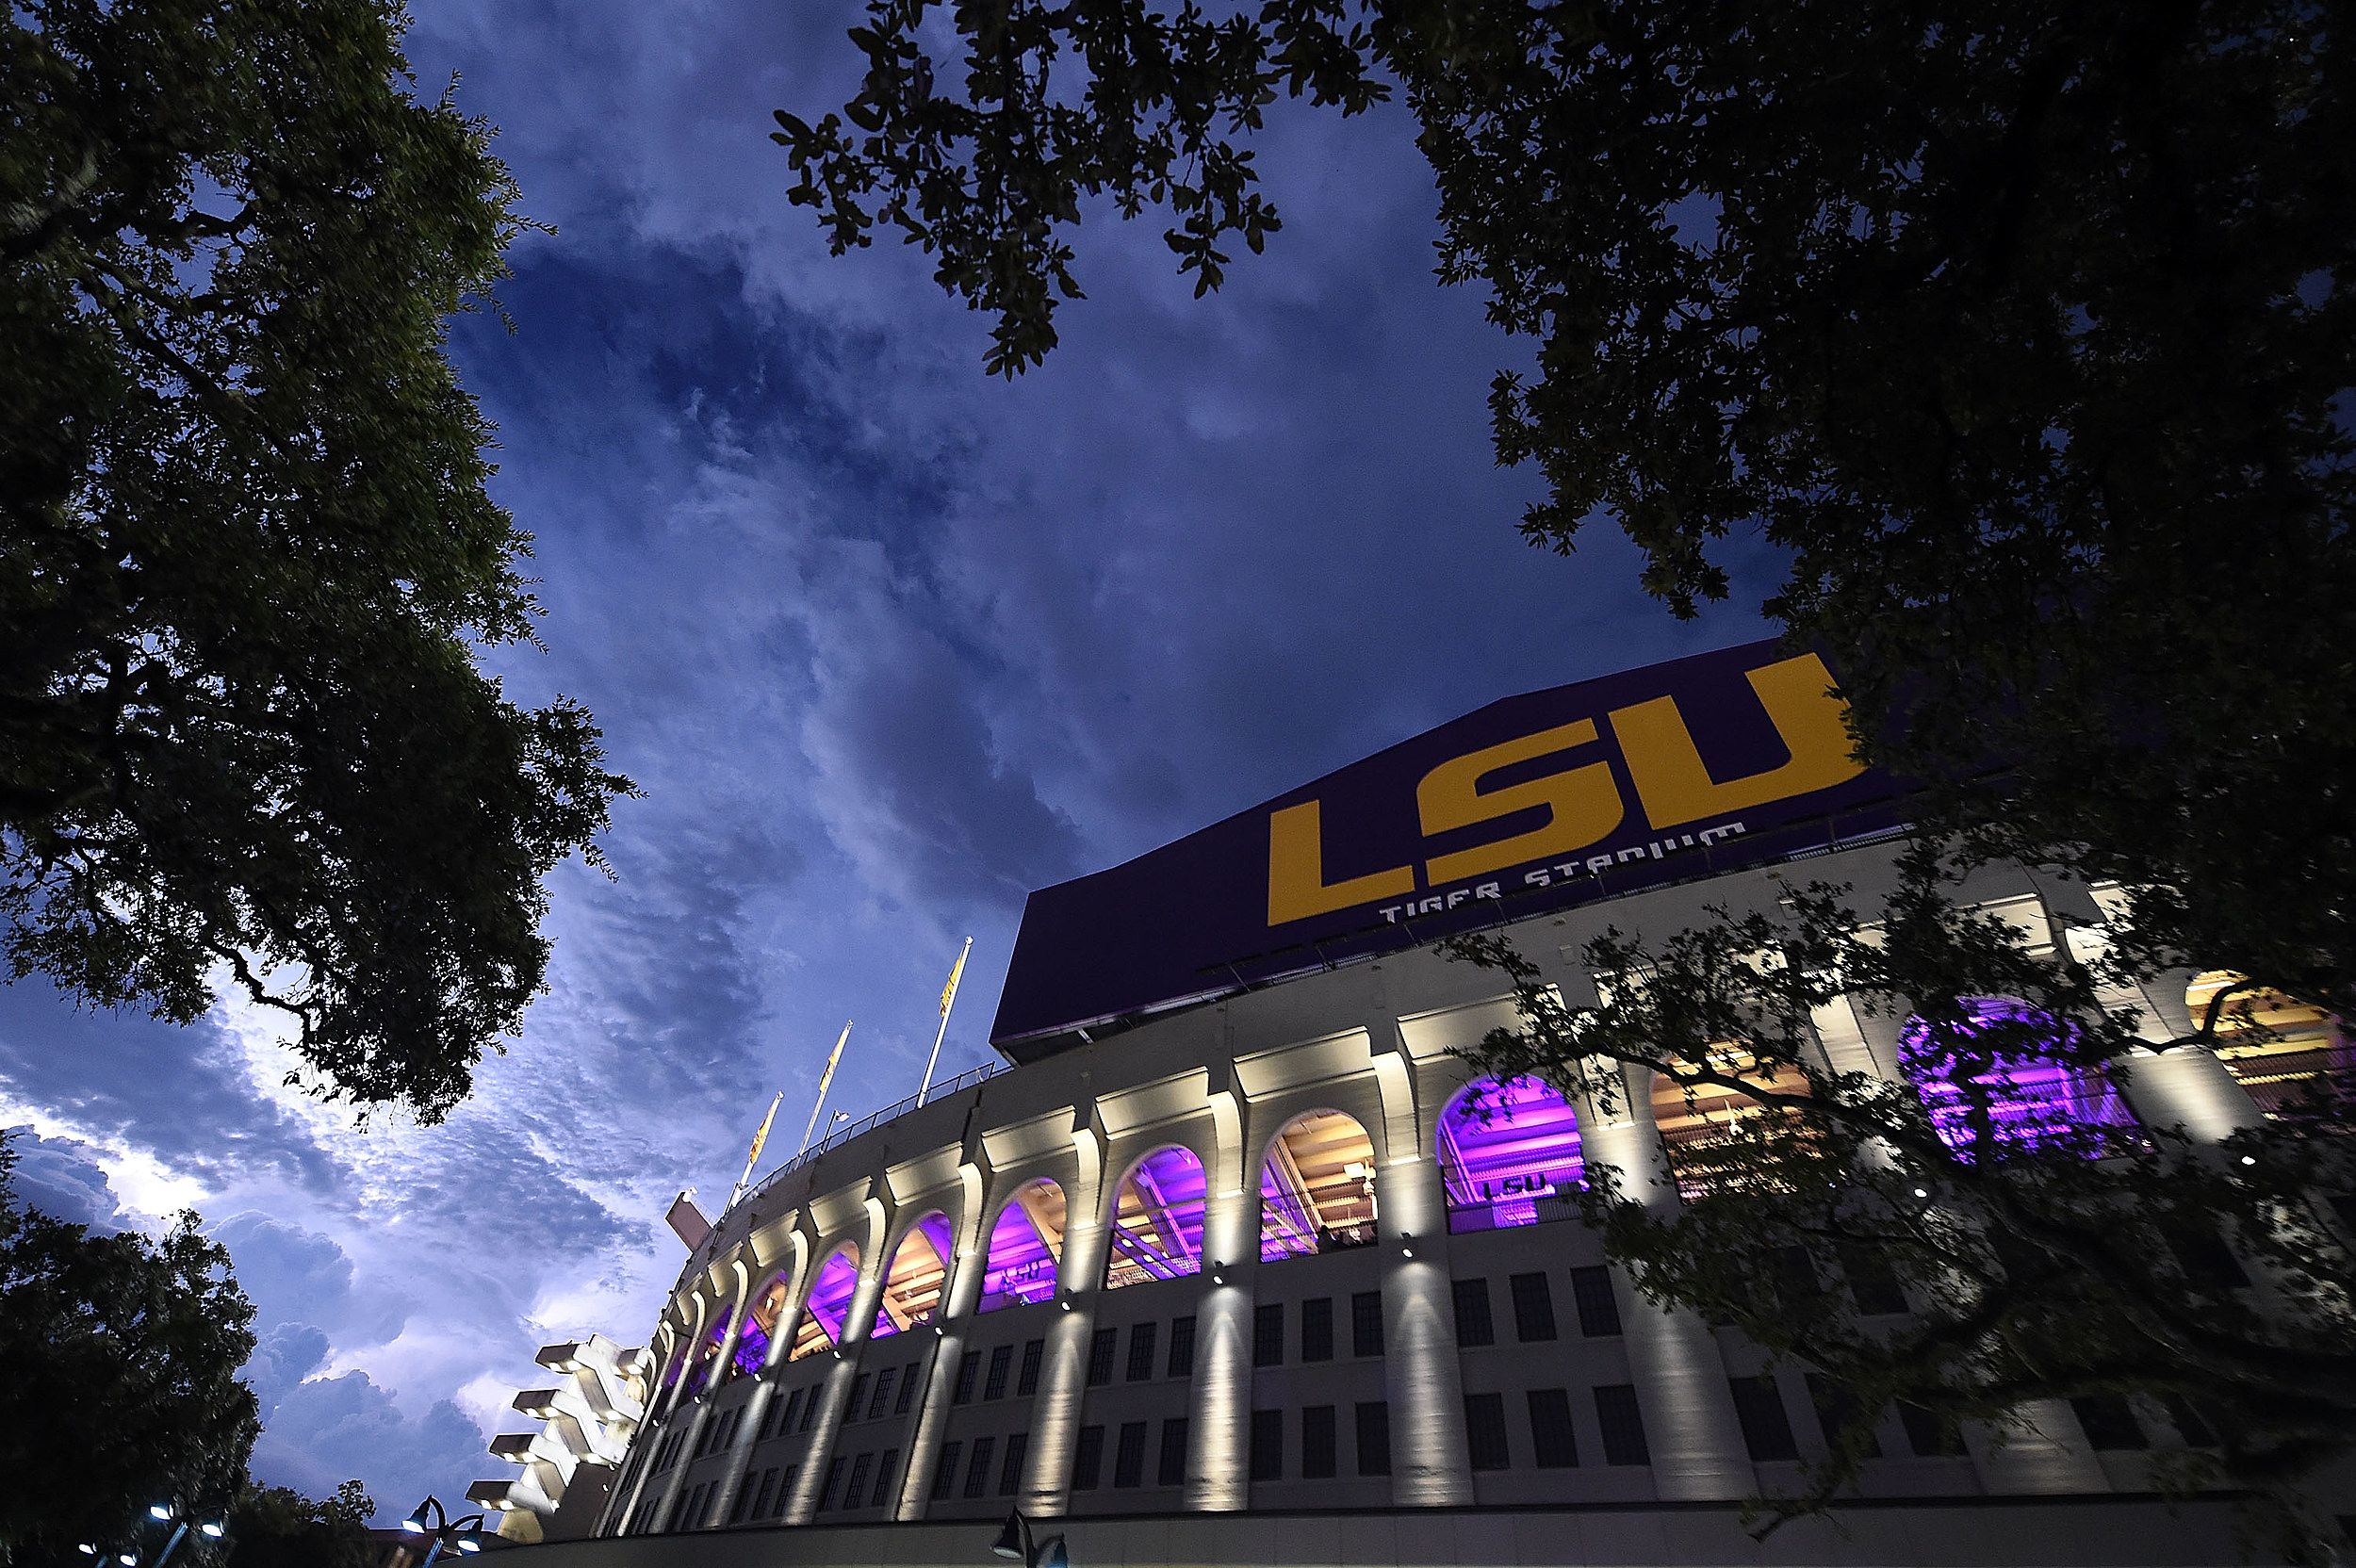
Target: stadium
1232, 1259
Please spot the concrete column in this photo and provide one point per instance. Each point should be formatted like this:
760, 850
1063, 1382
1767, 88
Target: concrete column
740, 1454
1422, 1380
659, 1403
952, 1321
1063, 1377
2183, 1086
1690, 1425
722, 1369
698, 1411
2042, 1450
1219, 1461
859, 1319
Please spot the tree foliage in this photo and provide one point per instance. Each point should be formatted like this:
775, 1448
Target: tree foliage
248, 558
275, 1526
2025, 334
118, 1357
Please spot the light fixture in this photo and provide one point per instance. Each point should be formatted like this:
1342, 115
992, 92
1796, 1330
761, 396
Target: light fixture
127, 1559
214, 1528
159, 1511
89, 1550
1067, 1303
1010, 1542
414, 1524
2249, 1159
1921, 1192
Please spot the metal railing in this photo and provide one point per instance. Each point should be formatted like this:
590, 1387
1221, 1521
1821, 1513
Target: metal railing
848, 1131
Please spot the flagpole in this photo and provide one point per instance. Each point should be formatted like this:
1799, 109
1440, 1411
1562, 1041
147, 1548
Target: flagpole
823, 1079
948, 1000
759, 1139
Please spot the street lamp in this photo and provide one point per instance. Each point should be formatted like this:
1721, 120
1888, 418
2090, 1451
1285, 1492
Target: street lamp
165, 1513
1014, 1542
466, 1534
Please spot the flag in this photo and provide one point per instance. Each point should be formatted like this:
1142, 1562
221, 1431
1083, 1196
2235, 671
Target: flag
761, 1137
949, 991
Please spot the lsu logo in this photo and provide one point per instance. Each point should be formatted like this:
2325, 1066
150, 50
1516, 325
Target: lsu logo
1582, 801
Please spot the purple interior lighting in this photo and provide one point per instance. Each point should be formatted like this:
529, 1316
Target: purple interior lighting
752, 1348
926, 1246
1022, 1263
1296, 1233
1157, 1230
2034, 1100
830, 1294
1509, 1154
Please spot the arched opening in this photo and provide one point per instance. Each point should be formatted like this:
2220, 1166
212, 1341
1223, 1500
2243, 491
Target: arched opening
2296, 1060
1157, 1224
1509, 1154
2007, 1062
1316, 1191
829, 1302
761, 1323
1699, 1123
919, 1273
1025, 1248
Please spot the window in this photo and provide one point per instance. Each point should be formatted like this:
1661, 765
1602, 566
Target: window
744, 1501
1766, 1429
945, 1473
1623, 1425
1533, 1308
1374, 1439
1268, 1445
1473, 1325
1101, 1350
1181, 1347
1485, 1431
1599, 1308
1026, 1382
768, 1420
1837, 1412
884, 1468
1872, 1283
768, 1490
1366, 1325
857, 1496
907, 1387
1087, 1461
1129, 1459
1926, 1434
834, 1484
977, 1471
1509, 1154
1141, 1337
859, 1397
882, 1401
687, 1514
968, 1369
1267, 1334
1316, 1328
2110, 1423
1172, 1470
1010, 1469
810, 1408
1553, 1445
1317, 1443
1001, 1363
2189, 1426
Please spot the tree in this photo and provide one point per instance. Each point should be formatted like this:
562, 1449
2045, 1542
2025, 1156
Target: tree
2026, 334
248, 555
278, 1528
118, 1357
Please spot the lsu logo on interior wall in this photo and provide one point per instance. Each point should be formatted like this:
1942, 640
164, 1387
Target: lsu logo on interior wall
1534, 802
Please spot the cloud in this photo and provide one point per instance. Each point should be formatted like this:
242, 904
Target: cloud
60, 1177
329, 1429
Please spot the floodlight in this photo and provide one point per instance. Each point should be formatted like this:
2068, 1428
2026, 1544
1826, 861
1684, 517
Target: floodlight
1010, 1542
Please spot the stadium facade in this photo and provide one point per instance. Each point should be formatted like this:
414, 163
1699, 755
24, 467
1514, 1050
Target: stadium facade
1235, 1260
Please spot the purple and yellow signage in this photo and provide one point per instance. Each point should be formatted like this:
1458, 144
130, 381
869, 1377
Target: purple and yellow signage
1703, 765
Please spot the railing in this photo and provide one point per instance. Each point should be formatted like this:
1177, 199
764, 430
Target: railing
844, 1135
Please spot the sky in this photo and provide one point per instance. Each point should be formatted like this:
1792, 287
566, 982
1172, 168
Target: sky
885, 643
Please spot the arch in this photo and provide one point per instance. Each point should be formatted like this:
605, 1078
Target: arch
1025, 1248
2007, 1059
831, 1290
1156, 1232
1316, 1187
1510, 1154
761, 1322
919, 1273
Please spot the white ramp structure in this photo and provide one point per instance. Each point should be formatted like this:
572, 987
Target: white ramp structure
588, 1420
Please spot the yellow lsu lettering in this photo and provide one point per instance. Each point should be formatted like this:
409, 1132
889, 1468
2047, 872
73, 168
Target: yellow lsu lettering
1582, 802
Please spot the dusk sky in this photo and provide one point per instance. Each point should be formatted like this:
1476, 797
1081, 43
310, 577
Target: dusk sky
886, 643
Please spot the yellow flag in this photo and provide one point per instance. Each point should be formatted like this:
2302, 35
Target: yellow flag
761, 1137
949, 991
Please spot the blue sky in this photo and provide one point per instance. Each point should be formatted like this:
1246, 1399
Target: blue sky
886, 643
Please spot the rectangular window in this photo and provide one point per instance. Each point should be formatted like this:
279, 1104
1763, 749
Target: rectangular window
1366, 1326
1837, 1414
1010, 1468
828, 1493
857, 1496
1101, 1350
1129, 1457
768, 1420
2194, 1431
1599, 1308
1374, 1439
1623, 1425
1267, 1334
1316, 1328
785, 1488
809, 1407
1088, 1460
1926, 1434
1317, 1443
686, 1520
907, 1387
1181, 1348
1142, 1338
1172, 1471
945, 1472
977, 1470
1553, 1445
1766, 1429
882, 1401
1474, 1327
1485, 1431
1268, 1445
1026, 1382
1872, 1283
857, 1398
884, 1466
744, 1501
1001, 1363
1533, 1308
969, 1371
2110, 1423
768, 1490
